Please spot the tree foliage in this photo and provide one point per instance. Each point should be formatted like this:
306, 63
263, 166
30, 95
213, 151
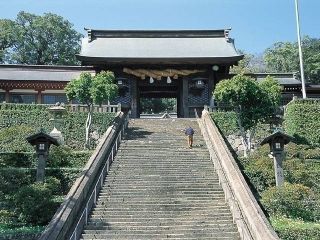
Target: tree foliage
249, 64
33, 39
253, 102
157, 105
7, 36
284, 57
90, 90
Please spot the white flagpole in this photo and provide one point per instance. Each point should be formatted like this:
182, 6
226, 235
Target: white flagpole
300, 53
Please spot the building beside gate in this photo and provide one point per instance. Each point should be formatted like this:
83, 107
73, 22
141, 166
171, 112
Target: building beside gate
181, 64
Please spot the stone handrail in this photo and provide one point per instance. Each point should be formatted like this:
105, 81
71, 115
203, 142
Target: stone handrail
249, 217
68, 221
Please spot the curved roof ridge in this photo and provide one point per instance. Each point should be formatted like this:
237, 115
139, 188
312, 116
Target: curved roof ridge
145, 33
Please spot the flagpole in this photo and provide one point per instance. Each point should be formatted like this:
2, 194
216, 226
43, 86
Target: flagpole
300, 52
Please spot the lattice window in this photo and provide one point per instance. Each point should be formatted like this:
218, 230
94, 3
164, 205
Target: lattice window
124, 99
23, 98
53, 99
2, 97
200, 98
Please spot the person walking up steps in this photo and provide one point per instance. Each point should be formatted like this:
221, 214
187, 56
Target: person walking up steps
189, 132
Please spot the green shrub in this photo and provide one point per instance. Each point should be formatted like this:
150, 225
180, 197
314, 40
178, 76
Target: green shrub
54, 185
61, 156
58, 156
17, 159
302, 151
299, 234
6, 217
64, 156
13, 139
24, 107
301, 172
25, 233
11, 179
226, 121
293, 201
293, 229
260, 171
66, 176
302, 120
34, 203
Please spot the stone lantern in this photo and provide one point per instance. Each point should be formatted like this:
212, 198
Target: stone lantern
42, 142
276, 141
57, 112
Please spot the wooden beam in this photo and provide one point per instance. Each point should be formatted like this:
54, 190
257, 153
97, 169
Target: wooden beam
158, 74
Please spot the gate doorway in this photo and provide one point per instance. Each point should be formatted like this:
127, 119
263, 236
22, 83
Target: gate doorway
157, 98
157, 107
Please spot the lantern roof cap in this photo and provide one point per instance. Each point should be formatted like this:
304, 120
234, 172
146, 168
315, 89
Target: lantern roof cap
278, 133
42, 137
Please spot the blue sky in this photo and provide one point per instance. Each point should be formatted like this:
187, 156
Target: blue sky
256, 24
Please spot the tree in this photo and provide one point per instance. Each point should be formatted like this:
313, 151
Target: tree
90, 90
157, 105
249, 64
284, 57
47, 39
253, 102
7, 36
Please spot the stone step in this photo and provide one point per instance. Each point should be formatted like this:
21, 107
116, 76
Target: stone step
216, 208
184, 173
182, 182
156, 221
166, 235
158, 195
131, 213
162, 190
160, 201
141, 220
162, 226
157, 188
190, 176
175, 229
163, 207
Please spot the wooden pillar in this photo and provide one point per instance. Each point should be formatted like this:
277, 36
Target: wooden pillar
7, 96
185, 91
179, 97
134, 99
211, 81
39, 100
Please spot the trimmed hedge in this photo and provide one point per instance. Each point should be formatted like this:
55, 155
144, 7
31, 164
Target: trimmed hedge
293, 201
297, 168
61, 156
302, 120
292, 233
35, 203
11, 179
25, 233
31, 118
292, 229
17, 185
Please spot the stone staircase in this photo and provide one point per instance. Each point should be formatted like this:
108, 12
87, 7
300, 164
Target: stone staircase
157, 188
